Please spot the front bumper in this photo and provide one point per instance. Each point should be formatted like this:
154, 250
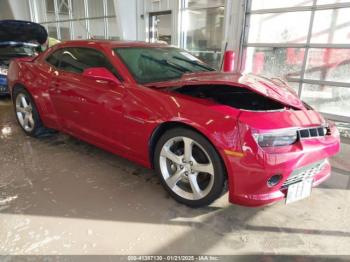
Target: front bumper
248, 174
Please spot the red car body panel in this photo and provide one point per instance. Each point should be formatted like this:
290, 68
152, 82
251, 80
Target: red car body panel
123, 119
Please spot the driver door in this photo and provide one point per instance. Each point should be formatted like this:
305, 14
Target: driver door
90, 109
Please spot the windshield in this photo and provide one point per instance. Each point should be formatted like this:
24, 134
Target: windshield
10, 51
149, 65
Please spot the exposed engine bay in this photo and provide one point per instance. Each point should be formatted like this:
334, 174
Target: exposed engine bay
237, 97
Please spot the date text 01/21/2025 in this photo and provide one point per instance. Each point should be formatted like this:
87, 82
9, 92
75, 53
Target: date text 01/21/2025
173, 258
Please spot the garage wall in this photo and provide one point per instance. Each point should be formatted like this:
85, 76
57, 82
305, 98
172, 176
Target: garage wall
14, 9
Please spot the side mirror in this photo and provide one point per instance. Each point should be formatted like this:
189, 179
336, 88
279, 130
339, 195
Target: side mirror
100, 73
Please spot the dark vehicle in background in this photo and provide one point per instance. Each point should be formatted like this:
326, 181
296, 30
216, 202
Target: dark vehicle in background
18, 39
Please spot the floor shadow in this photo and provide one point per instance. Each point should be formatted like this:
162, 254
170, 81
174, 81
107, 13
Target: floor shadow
60, 176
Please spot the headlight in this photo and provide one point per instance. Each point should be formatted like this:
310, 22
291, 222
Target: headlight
3, 71
276, 139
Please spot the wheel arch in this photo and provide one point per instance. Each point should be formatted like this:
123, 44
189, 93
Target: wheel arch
165, 126
20, 85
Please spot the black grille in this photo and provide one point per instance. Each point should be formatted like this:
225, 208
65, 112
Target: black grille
313, 132
304, 172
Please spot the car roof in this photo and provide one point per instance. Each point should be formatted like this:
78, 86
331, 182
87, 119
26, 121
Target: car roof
109, 43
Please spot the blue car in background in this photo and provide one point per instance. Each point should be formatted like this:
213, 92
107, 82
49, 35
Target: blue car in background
18, 39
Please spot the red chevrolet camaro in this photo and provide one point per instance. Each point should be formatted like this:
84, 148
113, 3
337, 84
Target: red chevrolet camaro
162, 107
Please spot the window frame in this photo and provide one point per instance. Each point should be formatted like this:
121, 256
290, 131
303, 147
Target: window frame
182, 35
116, 74
314, 7
135, 78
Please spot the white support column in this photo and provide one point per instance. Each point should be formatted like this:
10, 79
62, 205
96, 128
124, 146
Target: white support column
142, 31
87, 21
234, 28
33, 9
71, 25
105, 20
126, 13
57, 18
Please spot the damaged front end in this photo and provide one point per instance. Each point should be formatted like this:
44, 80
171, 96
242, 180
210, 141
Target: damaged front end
278, 135
233, 96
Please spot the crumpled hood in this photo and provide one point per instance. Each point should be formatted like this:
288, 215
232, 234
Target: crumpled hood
272, 89
22, 31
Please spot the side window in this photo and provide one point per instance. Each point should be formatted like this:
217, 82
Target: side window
70, 61
77, 59
53, 59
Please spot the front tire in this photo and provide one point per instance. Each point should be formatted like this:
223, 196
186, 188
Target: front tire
189, 167
27, 114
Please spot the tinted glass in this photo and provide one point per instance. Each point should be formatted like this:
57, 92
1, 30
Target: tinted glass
53, 59
76, 60
159, 64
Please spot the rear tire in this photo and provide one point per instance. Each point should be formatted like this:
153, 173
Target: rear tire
27, 114
189, 167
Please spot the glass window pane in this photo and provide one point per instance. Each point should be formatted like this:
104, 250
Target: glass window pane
203, 3
328, 99
52, 30
294, 85
326, 2
344, 130
76, 60
265, 4
50, 6
203, 33
78, 9
95, 8
54, 58
328, 64
41, 11
110, 7
275, 62
159, 64
63, 7
331, 26
113, 29
97, 29
50, 17
65, 31
279, 27
80, 31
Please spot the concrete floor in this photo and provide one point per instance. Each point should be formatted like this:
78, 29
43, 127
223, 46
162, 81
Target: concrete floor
62, 196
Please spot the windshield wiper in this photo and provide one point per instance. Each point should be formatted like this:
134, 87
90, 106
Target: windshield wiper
194, 63
167, 63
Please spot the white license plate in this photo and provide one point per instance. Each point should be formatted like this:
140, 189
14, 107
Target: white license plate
300, 190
